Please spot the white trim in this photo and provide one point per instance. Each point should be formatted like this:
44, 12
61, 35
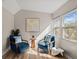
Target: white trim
67, 56
4, 52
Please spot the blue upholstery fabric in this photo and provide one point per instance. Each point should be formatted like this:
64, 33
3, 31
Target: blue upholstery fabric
18, 47
53, 39
23, 46
43, 44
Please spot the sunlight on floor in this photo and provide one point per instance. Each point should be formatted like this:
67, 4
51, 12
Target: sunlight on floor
34, 52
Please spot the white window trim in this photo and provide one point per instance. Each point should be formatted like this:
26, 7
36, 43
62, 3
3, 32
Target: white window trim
61, 25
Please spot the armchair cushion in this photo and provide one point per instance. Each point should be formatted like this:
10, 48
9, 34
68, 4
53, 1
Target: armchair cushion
47, 42
43, 45
19, 46
42, 42
23, 46
18, 39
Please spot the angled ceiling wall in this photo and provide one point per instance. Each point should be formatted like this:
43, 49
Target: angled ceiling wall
47, 6
11, 6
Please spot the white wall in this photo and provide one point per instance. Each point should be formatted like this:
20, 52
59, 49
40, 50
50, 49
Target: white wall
7, 25
71, 4
69, 47
19, 20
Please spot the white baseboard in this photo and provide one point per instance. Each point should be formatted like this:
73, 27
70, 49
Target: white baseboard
4, 52
67, 56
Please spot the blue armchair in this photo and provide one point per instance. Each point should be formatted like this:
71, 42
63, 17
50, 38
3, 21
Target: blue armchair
18, 47
44, 43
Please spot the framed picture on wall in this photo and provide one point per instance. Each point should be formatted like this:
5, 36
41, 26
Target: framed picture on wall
32, 24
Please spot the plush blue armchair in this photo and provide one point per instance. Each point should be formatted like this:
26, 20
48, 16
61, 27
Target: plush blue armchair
18, 47
44, 43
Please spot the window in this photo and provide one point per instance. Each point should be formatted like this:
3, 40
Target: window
65, 26
57, 27
69, 26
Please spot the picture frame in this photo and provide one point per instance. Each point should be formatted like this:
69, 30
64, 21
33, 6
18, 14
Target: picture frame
32, 24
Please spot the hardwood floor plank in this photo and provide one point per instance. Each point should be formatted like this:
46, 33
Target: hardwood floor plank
30, 54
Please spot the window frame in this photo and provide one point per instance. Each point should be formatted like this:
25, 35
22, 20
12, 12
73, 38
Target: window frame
75, 10
61, 19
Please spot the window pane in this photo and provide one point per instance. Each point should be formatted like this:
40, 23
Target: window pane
58, 33
70, 19
57, 27
57, 22
69, 28
69, 33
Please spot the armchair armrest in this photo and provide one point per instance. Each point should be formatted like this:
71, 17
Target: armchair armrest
41, 40
52, 42
25, 41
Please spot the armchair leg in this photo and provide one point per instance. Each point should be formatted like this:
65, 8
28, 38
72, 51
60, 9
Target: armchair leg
38, 50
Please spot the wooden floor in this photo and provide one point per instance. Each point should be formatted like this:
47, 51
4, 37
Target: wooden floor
30, 54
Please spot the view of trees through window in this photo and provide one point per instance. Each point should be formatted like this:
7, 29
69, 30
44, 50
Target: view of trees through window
57, 28
69, 26
65, 26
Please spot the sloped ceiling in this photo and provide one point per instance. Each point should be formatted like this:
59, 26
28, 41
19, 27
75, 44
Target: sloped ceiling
11, 5
48, 6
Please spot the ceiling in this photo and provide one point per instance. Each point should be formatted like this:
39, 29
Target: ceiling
48, 6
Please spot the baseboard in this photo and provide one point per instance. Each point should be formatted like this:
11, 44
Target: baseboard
67, 56
3, 53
